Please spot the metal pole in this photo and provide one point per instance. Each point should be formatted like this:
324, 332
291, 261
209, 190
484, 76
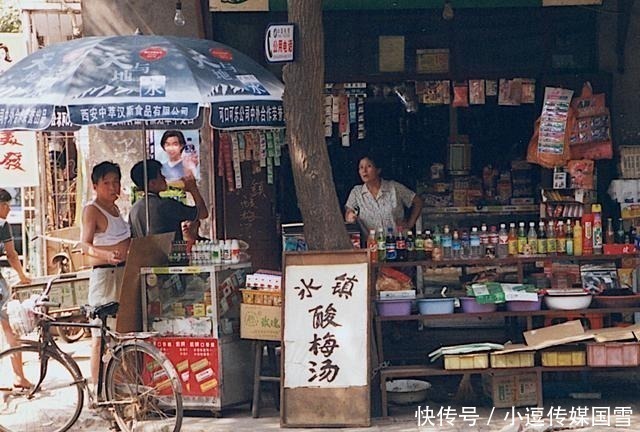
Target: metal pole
145, 154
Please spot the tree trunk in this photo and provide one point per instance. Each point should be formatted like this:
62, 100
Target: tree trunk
324, 228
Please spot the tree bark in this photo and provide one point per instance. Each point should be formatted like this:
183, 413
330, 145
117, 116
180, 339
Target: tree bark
324, 227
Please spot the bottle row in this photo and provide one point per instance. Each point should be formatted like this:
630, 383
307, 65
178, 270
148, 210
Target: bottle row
205, 252
580, 237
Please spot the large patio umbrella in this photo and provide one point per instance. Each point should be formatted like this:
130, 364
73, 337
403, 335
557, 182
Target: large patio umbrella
136, 78
115, 79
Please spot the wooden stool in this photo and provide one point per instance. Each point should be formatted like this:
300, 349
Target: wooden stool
272, 368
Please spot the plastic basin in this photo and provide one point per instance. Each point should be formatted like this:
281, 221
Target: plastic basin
524, 306
568, 302
436, 306
407, 391
471, 305
394, 307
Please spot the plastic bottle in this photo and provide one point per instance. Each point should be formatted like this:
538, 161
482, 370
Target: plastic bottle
436, 253
390, 246
401, 246
484, 239
466, 244
596, 209
445, 241
532, 238
226, 251
542, 239
411, 246
419, 245
217, 252
372, 246
620, 233
587, 234
610, 233
522, 237
568, 234
475, 247
428, 245
577, 238
381, 245
235, 251
456, 245
503, 242
561, 240
552, 246
513, 240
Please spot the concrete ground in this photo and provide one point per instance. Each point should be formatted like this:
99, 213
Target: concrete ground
618, 410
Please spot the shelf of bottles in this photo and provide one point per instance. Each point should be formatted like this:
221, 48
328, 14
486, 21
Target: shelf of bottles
493, 246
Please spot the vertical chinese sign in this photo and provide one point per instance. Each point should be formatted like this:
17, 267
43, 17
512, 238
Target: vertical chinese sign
326, 339
18, 159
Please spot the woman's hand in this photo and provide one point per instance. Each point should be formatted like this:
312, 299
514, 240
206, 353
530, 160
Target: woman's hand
350, 216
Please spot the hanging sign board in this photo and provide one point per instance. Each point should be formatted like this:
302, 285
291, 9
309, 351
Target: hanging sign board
18, 159
279, 43
326, 340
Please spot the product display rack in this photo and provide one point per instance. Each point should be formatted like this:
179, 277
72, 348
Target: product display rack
196, 311
408, 371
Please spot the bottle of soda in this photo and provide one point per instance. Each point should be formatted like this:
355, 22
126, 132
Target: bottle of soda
484, 239
382, 247
503, 242
445, 241
401, 246
428, 245
610, 233
551, 239
542, 238
436, 254
372, 246
561, 240
513, 240
532, 238
390, 246
568, 234
475, 247
490, 249
577, 238
620, 232
456, 245
411, 246
522, 237
419, 241
466, 244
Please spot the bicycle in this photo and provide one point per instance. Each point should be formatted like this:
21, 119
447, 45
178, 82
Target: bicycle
137, 385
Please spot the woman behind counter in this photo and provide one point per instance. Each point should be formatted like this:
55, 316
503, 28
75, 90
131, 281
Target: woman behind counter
380, 203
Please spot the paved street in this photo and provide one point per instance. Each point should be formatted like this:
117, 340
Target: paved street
404, 419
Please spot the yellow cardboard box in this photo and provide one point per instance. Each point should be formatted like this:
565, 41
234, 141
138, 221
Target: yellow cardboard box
260, 322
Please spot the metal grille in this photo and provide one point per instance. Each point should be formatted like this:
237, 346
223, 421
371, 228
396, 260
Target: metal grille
62, 175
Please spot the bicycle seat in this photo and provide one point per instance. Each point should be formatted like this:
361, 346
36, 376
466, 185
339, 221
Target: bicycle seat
106, 310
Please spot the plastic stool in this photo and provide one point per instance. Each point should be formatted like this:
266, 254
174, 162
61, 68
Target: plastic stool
258, 377
590, 320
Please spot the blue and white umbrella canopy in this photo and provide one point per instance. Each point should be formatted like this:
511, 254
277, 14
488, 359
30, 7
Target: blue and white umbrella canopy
117, 79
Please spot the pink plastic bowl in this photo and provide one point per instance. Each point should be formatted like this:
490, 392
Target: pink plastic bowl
524, 306
394, 307
471, 305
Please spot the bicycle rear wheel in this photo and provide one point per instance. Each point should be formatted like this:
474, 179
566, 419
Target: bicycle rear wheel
144, 388
57, 403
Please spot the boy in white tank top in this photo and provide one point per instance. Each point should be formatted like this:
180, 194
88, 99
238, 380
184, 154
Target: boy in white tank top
105, 240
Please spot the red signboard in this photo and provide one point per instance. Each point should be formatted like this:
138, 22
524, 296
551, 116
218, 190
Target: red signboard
196, 360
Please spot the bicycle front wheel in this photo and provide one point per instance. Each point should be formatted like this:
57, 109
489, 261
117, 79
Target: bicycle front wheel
144, 388
54, 406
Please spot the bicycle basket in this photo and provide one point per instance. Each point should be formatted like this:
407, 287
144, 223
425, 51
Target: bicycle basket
21, 317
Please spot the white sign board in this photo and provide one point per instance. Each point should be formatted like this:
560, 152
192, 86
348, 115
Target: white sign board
18, 159
279, 43
325, 332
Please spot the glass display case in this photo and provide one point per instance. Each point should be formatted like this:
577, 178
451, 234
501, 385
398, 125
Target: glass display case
196, 313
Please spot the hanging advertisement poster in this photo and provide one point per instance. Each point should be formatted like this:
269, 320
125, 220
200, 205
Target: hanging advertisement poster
179, 153
18, 159
553, 121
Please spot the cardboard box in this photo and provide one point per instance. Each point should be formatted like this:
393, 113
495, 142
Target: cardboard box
466, 361
512, 360
513, 390
260, 322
